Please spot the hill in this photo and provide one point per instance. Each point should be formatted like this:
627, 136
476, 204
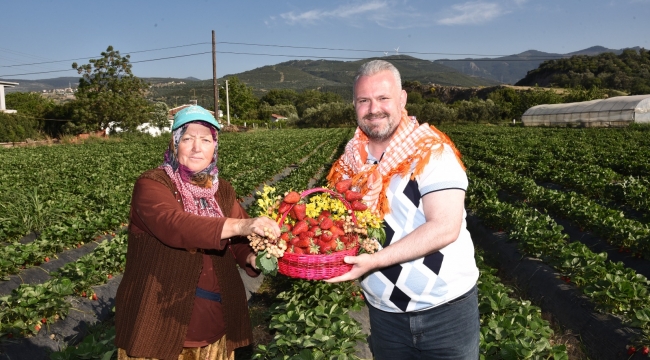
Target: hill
325, 75
300, 74
72, 82
628, 72
43, 84
512, 68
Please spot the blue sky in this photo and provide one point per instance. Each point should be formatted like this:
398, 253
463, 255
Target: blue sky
65, 31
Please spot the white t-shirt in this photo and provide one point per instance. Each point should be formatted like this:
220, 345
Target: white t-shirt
439, 277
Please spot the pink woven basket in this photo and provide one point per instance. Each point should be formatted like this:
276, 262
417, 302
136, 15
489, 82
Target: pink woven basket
318, 266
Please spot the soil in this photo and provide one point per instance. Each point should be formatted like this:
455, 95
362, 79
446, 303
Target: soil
602, 336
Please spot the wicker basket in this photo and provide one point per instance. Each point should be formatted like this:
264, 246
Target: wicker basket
319, 266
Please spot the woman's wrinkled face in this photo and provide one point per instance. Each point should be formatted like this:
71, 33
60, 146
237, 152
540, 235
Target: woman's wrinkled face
196, 147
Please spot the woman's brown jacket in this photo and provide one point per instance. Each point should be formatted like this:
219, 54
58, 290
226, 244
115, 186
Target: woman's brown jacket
156, 295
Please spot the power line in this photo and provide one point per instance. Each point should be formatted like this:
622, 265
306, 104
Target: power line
541, 57
90, 57
290, 56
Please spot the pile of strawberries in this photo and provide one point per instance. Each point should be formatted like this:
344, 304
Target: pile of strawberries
322, 235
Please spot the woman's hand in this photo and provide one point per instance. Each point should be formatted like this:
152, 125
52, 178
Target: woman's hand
245, 227
260, 226
251, 260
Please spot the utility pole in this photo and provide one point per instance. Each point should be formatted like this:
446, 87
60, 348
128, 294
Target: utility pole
227, 104
214, 77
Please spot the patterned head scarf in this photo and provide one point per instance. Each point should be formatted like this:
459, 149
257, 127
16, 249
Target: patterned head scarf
197, 189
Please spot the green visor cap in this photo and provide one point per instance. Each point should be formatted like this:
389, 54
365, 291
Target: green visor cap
194, 113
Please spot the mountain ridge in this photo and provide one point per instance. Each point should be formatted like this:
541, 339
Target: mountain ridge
338, 75
511, 68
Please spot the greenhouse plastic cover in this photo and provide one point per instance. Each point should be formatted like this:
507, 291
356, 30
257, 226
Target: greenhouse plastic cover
615, 111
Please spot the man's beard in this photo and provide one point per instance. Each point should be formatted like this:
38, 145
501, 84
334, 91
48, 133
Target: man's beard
374, 132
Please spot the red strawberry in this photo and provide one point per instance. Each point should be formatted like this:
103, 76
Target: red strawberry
645, 350
299, 250
343, 185
302, 243
83, 294
313, 228
110, 276
285, 236
300, 227
326, 236
47, 259
353, 195
300, 211
44, 320
312, 222
336, 231
631, 350
94, 297
306, 234
286, 228
327, 247
339, 223
325, 213
358, 206
37, 327
326, 223
284, 207
292, 197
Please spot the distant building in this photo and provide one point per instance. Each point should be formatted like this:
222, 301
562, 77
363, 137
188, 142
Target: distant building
3, 107
276, 117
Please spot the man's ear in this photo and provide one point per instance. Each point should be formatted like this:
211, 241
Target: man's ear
402, 98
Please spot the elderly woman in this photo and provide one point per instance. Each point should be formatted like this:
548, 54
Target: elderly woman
182, 296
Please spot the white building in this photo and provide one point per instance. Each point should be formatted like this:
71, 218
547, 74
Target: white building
3, 107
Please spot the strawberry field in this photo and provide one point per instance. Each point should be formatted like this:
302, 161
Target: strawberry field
560, 220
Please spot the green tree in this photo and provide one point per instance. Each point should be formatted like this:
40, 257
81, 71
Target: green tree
265, 110
280, 97
243, 104
438, 113
109, 95
32, 104
329, 115
313, 98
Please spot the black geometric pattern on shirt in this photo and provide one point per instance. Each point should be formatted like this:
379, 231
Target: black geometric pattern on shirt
392, 272
412, 192
389, 233
399, 298
434, 261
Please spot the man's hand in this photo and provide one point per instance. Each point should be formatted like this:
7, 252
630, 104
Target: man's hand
361, 265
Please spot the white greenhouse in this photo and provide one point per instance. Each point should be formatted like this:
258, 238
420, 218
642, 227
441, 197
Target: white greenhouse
615, 111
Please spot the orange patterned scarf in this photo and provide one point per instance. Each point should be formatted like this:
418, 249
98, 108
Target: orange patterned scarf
409, 150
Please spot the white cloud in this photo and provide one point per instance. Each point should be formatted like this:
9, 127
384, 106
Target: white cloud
373, 7
474, 12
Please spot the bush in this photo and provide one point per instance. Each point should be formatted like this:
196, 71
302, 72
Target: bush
328, 115
438, 113
17, 128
